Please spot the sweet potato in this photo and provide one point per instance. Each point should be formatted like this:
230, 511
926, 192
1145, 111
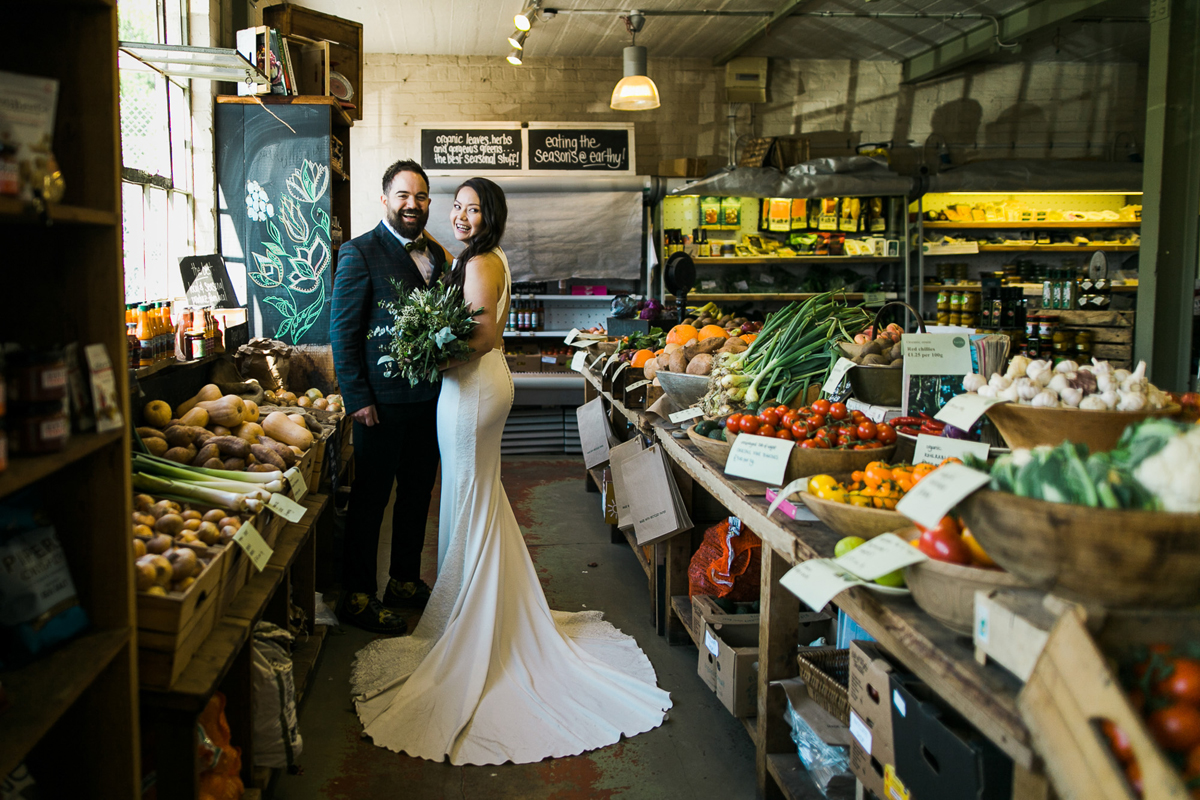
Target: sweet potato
235, 464
261, 467
230, 446
214, 463
266, 455
181, 455
283, 451
709, 345
650, 369
208, 452
678, 361
156, 446
700, 365
147, 433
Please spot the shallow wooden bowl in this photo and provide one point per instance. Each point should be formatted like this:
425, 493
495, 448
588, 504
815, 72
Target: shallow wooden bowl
717, 451
1108, 557
1027, 426
847, 520
807, 461
946, 591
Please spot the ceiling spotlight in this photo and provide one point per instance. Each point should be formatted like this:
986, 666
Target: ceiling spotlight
514, 58
635, 91
517, 40
524, 20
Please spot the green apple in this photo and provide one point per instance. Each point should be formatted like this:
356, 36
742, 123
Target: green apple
895, 578
846, 545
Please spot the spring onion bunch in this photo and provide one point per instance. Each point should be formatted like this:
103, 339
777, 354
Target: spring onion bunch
237, 491
793, 350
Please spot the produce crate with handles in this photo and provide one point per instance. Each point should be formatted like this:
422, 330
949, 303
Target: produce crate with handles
171, 628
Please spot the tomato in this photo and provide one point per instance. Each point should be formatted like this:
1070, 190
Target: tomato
885, 433
822, 443
799, 430
789, 418
766, 430
821, 406
838, 411
1184, 682
1176, 727
785, 433
1193, 764
825, 434
781, 410
732, 424
769, 417
867, 430
811, 444
847, 432
748, 424
815, 423
1118, 740
944, 543
946, 525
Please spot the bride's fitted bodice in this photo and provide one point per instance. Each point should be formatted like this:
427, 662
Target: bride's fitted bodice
502, 304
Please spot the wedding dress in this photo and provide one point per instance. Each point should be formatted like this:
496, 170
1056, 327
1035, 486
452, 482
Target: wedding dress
491, 674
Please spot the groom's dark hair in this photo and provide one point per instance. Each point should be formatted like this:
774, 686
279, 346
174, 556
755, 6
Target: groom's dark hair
404, 165
494, 210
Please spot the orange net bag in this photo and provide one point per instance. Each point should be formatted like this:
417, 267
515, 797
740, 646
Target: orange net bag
220, 761
728, 563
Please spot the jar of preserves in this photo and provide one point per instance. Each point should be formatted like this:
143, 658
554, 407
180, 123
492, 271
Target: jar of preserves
37, 375
38, 428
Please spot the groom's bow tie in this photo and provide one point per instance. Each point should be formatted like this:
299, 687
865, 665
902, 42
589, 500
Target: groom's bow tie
419, 244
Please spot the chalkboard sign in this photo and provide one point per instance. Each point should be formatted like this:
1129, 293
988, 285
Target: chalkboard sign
471, 150
594, 149
206, 282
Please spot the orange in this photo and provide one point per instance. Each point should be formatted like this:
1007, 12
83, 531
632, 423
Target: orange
640, 358
682, 334
709, 331
659, 352
748, 337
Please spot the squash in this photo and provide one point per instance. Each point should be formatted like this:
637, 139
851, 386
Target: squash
229, 410
282, 429
196, 417
298, 419
251, 411
249, 431
156, 413
220, 430
209, 392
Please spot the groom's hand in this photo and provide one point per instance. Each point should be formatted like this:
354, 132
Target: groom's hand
366, 416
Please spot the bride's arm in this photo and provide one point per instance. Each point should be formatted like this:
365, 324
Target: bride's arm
483, 287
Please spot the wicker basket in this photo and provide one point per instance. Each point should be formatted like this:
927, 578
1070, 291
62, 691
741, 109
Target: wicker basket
826, 673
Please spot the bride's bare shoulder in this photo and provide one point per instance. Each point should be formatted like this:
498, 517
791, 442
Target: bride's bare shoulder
487, 264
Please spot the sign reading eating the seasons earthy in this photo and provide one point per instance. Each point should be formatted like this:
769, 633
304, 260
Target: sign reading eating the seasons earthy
591, 149
471, 150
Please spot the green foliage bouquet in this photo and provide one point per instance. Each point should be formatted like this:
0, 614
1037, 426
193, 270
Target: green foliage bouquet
430, 327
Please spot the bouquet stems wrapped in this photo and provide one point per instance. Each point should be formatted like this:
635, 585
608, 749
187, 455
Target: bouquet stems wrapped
430, 327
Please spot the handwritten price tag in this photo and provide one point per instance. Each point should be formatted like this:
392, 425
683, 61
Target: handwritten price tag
836, 375
874, 298
936, 449
686, 414
620, 369
572, 335
759, 458
879, 556
938, 492
637, 385
286, 507
296, 480
818, 580
578, 361
964, 410
253, 544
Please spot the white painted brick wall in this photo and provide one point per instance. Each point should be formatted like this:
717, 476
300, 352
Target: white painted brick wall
1046, 109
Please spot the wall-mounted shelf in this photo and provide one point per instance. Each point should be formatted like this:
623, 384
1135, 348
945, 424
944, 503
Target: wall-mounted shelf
566, 298
974, 287
13, 209
753, 260
704, 297
535, 334
1045, 248
1068, 225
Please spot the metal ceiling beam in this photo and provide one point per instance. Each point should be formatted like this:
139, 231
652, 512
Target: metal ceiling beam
785, 10
982, 41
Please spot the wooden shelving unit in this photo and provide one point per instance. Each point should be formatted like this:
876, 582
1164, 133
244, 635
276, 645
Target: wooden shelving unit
758, 260
81, 698
975, 287
1031, 226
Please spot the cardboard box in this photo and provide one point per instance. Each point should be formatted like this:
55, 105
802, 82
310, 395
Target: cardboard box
726, 666
706, 611
556, 363
1011, 628
870, 715
523, 357
938, 754
683, 167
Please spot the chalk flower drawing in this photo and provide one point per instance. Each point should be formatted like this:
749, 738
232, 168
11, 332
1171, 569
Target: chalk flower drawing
303, 259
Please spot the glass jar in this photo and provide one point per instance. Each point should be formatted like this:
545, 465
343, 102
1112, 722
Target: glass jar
1083, 346
38, 428
1031, 337
37, 375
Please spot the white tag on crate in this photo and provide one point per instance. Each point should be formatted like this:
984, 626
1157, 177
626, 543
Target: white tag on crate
686, 414
711, 643
939, 491
286, 507
572, 335
577, 361
860, 731
838, 372
253, 544
638, 385
296, 480
964, 410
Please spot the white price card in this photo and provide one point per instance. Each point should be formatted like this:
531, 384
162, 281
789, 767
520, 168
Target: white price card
613, 359
686, 414
874, 298
936, 353
297, 482
938, 492
964, 410
936, 449
596, 361
792, 488
637, 385
620, 369
819, 580
286, 507
593, 432
836, 375
578, 361
711, 644
252, 542
742, 286
759, 458
582, 344
879, 556
876, 414
572, 335
860, 731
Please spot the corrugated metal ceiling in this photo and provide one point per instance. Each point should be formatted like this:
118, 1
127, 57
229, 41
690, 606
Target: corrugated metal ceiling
480, 27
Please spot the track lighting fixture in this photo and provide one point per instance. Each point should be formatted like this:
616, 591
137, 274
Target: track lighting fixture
517, 40
524, 20
514, 58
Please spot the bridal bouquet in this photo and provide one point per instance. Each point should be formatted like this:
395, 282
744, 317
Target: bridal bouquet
430, 327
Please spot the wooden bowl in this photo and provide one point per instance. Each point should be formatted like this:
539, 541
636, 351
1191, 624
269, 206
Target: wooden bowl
847, 520
877, 385
808, 461
1108, 557
716, 450
1027, 426
683, 389
946, 591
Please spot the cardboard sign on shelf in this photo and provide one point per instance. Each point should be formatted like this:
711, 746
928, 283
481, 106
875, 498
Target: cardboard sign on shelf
759, 458
836, 375
819, 580
578, 361
251, 541
594, 434
938, 492
964, 410
934, 366
617, 457
936, 449
656, 506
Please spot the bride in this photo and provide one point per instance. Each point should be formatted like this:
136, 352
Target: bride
491, 674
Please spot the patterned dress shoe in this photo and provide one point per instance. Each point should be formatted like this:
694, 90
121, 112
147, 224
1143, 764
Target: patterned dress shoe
411, 594
365, 611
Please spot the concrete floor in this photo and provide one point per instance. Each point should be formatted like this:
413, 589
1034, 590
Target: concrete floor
700, 751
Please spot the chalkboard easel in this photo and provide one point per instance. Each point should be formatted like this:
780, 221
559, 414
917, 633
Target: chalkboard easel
206, 282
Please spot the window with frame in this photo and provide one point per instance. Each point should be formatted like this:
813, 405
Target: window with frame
156, 145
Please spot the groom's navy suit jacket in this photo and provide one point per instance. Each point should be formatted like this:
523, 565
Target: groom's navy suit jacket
365, 265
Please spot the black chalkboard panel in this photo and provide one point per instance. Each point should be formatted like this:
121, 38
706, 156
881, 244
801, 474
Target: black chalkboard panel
206, 282
471, 150
597, 149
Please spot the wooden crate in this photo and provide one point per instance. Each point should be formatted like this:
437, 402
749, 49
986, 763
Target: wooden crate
1073, 688
1112, 333
174, 613
162, 657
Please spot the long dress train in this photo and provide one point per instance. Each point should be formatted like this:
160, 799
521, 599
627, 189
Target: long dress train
491, 674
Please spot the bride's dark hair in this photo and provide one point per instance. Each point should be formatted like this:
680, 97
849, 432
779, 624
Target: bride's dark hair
494, 210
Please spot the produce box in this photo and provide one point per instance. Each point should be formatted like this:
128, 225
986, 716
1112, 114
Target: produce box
938, 754
556, 363
171, 628
705, 610
1073, 691
162, 657
175, 612
635, 398
726, 665
1011, 628
523, 357
872, 753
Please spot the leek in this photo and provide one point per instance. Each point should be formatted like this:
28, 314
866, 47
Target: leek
222, 474
170, 469
203, 493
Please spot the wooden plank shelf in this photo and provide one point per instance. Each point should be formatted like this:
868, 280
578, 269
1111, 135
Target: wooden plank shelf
286, 100
42, 691
748, 297
13, 209
755, 260
791, 777
170, 363
1061, 225
974, 287
681, 604
304, 658
24, 470
1043, 248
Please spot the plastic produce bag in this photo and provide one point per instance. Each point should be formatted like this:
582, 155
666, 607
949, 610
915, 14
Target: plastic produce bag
277, 741
823, 761
727, 563
624, 306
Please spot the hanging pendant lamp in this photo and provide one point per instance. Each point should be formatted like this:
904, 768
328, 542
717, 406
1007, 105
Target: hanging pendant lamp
635, 91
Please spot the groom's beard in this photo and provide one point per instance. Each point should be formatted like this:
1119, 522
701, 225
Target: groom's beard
409, 227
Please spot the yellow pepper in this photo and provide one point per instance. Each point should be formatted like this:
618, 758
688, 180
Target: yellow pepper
859, 500
818, 482
834, 494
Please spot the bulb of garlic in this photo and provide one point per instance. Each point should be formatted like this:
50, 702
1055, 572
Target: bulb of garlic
999, 382
1026, 389
1071, 396
1131, 401
1036, 368
1045, 399
1060, 381
1093, 402
987, 391
1009, 394
1105, 382
1067, 366
1101, 367
1110, 398
1043, 378
972, 382
1016, 369
1136, 382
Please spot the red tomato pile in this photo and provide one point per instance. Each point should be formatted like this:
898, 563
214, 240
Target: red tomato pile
951, 542
823, 425
1166, 692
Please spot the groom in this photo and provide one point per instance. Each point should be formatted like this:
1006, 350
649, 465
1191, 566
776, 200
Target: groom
395, 425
